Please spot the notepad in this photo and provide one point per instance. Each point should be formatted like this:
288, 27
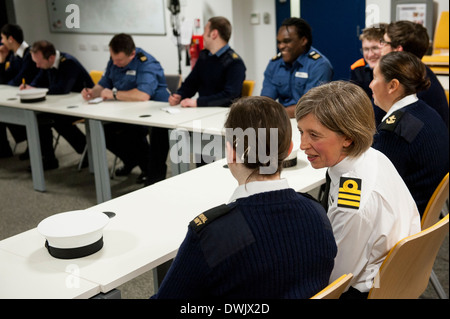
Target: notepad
171, 110
96, 100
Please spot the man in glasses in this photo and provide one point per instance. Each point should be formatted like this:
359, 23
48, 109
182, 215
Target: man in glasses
361, 72
413, 37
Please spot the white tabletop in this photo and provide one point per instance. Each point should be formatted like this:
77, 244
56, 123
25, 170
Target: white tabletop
149, 113
24, 278
150, 224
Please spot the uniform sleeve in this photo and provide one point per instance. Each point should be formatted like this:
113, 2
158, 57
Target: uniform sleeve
191, 84
148, 77
41, 80
106, 81
319, 73
235, 76
269, 89
187, 276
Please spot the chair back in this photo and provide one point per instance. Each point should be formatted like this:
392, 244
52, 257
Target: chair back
173, 82
335, 289
405, 272
441, 34
96, 75
435, 204
247, 87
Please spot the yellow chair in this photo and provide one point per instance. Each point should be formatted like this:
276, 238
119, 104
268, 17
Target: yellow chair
438, 61
96, 75
406, 270
335, 289
435, 204
247, 88
430, 217
440, 42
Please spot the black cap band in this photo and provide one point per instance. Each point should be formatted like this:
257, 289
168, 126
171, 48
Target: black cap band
71, 253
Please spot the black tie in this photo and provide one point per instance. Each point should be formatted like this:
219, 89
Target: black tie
326, 193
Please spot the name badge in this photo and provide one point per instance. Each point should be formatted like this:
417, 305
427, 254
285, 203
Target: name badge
302, 75
131, 72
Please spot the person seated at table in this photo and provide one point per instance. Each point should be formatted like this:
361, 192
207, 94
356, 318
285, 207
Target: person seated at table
413, 37
132, 74
16, 66
411, 134
61, 73
361, 72
369, 206
298, 66
268, 241
218, 74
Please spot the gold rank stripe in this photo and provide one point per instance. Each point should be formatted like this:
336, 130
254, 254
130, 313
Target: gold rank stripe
350, 197
347, 200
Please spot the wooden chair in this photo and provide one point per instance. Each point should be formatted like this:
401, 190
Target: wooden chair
431, 216
438, 61
405, 272
335, 289
247, 87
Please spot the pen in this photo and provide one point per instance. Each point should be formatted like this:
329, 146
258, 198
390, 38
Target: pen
23, 82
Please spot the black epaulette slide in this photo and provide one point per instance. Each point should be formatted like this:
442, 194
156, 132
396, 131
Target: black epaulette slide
199, 222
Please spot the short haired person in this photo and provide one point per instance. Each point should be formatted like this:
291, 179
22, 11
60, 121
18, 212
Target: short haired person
369, 206
298, 66
61, 73
218, 74
132, 74
361, 72
411, 134
16, 66
413, 37
268, 241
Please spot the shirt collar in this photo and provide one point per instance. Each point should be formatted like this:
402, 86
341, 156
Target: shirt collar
253, 188
21, 50
222, 50
57, 58
407, 100
343, 167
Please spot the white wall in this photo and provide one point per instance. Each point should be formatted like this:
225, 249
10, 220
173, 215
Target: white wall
255, 43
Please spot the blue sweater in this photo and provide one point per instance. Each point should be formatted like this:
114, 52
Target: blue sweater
276, 244
417, 143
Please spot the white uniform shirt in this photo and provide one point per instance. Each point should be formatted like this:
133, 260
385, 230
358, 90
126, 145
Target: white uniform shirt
371, 211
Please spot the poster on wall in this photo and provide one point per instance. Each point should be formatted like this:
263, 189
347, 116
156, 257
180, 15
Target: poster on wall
415, 12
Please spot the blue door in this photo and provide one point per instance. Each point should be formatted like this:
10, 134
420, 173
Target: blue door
336, 26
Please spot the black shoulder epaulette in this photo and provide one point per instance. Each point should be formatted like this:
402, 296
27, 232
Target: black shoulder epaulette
199, 222
62, 58
314, 55
403, 124
349, 192
142, 57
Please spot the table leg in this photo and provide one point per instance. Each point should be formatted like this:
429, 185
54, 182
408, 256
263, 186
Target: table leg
34, 147
98, 151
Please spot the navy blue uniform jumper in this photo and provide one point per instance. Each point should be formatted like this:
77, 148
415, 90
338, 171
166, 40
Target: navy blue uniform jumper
416, 141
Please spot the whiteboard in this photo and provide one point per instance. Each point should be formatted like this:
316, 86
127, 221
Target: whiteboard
107, 16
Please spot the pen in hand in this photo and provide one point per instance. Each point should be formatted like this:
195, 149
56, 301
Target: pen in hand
23, 83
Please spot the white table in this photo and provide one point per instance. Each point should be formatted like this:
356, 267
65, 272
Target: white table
148, 228
148, 113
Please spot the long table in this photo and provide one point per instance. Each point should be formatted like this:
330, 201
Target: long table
147, 230
148, 113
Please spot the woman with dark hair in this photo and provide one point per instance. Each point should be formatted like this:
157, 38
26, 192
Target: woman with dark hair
412, 134
268, 241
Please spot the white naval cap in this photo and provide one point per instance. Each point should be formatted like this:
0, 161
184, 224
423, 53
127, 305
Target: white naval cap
73, 234
32, 95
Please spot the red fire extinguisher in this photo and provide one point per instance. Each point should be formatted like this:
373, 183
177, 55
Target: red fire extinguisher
195, 48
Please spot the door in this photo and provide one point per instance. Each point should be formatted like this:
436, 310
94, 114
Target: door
336, 26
